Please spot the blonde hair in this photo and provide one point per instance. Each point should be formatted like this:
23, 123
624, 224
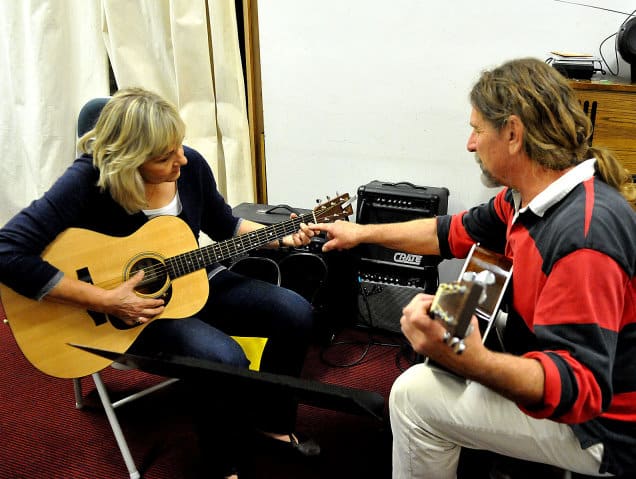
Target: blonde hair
557, 130
134, 126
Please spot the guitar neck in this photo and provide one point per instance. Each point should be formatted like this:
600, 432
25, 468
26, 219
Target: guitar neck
191, 261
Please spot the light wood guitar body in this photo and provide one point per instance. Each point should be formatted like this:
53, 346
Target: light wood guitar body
43, 329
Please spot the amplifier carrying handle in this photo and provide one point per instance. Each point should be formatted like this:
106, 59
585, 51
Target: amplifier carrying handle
405, 183
273, 209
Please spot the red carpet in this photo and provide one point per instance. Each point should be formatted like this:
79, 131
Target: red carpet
45, 436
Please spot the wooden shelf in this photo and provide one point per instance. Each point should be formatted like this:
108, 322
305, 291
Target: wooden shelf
612, 109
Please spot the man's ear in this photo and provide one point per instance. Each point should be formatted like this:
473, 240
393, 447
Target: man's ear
514, 133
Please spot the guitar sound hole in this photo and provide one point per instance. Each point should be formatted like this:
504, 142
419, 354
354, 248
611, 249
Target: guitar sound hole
155, 277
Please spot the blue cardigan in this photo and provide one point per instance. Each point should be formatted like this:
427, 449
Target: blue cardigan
76, 201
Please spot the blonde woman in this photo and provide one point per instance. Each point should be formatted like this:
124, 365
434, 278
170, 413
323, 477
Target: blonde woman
134, 167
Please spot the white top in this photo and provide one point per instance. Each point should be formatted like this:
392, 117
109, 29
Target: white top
171, 209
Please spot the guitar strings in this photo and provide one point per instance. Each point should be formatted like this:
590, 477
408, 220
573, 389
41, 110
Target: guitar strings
207, 254
257, 238
211, 253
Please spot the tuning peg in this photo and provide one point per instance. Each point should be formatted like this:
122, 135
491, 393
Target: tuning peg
454, 342
460, 347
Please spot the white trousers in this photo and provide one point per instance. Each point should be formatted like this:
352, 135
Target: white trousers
434, 414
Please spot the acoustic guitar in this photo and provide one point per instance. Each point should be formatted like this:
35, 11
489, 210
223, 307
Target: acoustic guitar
174, 270
478, 291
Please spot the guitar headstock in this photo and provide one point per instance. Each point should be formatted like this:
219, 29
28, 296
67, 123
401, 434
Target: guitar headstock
454, 305
334, 209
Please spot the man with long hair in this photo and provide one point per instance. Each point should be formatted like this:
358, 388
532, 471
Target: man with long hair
563, 392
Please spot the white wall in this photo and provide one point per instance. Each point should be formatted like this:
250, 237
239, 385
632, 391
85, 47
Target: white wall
362, 90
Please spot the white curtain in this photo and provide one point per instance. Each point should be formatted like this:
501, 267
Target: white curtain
53, 60
188, 51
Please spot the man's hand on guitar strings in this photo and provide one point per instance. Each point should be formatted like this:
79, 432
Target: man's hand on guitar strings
128, 306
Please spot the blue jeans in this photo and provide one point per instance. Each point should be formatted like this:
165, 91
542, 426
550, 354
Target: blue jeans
240, 306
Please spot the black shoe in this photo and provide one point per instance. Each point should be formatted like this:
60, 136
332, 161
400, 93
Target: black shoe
307, 447
304, 446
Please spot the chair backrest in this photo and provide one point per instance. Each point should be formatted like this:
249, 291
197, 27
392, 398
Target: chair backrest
305, 273
89, 114
257, 267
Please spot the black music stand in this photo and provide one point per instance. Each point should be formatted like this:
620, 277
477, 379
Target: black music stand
313, 393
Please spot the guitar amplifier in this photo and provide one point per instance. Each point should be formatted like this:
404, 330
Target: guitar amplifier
326, 280
388, 278
385, 290
383, 202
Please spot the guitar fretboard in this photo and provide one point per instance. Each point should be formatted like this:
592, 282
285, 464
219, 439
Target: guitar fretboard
191, 261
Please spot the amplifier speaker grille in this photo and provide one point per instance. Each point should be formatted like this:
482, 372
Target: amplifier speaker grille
380, 305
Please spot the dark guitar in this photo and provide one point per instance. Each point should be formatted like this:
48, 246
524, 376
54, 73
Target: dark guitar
174, 270
478, 291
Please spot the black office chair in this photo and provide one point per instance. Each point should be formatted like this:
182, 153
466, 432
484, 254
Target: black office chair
89, 114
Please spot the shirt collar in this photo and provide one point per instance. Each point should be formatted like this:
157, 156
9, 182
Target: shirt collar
557, 190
